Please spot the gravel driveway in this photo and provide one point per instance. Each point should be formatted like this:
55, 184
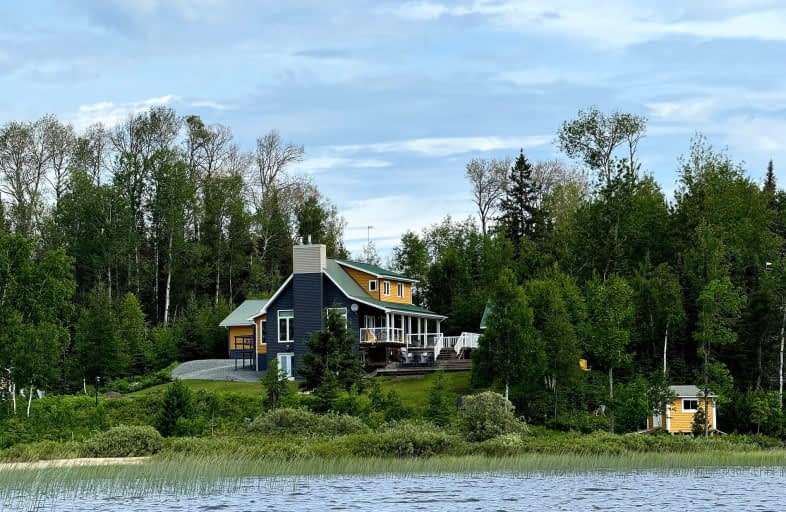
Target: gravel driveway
215, 369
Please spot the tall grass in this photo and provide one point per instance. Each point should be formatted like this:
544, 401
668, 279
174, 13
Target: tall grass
211, 475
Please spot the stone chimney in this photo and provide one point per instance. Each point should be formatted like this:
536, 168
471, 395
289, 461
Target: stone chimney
309, 259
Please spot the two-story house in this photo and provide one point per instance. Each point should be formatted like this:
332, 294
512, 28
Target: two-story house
375, 303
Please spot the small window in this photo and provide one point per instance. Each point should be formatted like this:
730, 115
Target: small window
690, 405
386, 287
372, 285
341, 312
286, 325
400, 289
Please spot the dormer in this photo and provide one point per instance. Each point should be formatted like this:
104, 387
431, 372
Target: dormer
379, 283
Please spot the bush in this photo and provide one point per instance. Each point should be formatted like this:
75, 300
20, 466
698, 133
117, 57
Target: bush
177, 404
505, 445
404, 439
487, 415
41, 450
133, 384
282, 422
123, 441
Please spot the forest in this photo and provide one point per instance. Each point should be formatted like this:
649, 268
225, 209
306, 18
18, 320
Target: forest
121, 250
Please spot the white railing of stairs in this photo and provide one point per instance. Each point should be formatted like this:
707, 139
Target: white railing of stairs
457, 343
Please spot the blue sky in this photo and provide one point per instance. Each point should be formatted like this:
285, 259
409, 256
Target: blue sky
391, 99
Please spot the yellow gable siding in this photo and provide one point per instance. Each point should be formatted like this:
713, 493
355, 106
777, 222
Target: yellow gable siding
246, 330
683, 421
362, 279
393, 297
261, 347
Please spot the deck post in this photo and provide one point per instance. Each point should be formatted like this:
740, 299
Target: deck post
409, 329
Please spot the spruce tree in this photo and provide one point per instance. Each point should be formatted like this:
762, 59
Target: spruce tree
520, 216
770, 185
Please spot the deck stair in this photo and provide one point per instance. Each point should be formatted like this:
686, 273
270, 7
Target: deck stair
448, 360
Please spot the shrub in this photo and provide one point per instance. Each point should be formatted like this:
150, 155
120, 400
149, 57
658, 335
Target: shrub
123, 441
177, 404
41, 450
404, 439
487, 415
505, 445
281, 422
441, 401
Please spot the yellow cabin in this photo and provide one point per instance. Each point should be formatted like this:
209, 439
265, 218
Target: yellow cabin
681, 411
244, 334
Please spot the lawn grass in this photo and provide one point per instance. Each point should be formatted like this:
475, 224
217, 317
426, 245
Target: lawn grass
250, 388
413, 389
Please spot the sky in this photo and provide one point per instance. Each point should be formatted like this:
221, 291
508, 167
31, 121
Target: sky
391, 99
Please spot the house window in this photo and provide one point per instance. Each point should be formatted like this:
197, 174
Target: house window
690, 405
372, 285
386, 287
340, 312
286, 325
400, 289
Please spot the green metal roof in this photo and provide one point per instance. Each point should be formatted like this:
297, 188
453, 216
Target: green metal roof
242, 313
344, 281
486, 313
689, 391
375, 269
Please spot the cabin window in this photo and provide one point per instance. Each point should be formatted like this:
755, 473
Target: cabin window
400, 289
690, 405
340, 312
372, 285
286, 325
386, 287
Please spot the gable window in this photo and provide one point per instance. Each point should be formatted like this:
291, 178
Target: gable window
400, 289
372, 285
690, 405
340, 312
286, 325
386, 287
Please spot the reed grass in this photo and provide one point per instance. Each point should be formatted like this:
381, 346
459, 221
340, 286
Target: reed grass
210, 475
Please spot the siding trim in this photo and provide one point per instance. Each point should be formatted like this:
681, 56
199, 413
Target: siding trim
274, 297
379, 276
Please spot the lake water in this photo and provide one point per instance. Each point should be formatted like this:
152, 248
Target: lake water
718, 489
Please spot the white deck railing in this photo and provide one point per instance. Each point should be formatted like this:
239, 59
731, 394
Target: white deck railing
382, 334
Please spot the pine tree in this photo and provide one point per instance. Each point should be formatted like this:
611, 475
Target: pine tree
177, 404
521, 216
276, 386
770, 185
332, 351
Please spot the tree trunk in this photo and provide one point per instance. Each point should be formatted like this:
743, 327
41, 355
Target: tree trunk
155, 280
706, 390
168, 281
665, 347
30, 401
13, 396
780, 359
611, 399
218, 281
506, 389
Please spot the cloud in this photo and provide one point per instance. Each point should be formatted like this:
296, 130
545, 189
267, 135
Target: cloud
448, 146
111, 114
214, 105
322, 163
613, 23
688, 110
390, 216
757, 134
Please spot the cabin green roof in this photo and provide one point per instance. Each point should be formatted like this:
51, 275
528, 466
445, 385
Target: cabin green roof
485, 317
242, 314
349, 286
375, 269
689, 391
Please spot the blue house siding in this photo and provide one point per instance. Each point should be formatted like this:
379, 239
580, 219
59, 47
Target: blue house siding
307, 302
270, 330
334, 297
308, 295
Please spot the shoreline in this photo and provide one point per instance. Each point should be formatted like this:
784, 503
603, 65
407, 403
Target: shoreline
75, 462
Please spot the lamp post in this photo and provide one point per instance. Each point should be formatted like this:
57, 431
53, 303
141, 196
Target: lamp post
98, 382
